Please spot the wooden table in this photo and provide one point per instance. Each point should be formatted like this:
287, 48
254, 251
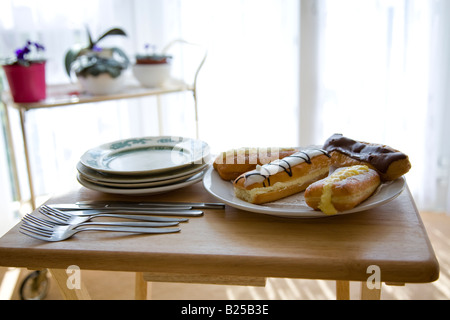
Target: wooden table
234, 246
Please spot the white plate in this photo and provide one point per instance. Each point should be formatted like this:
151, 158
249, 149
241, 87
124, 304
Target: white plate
295, 205
147, 155
142, 191
104, 178
138, 185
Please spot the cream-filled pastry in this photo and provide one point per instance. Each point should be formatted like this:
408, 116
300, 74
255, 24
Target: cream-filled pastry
284, 177
343, 190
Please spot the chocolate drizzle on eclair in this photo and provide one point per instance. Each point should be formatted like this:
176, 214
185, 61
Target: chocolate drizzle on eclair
263, 173
379, 156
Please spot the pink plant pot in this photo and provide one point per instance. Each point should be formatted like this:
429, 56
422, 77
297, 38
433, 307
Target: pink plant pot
27, 84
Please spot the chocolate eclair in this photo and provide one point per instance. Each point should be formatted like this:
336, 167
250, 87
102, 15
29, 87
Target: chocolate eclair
388, 162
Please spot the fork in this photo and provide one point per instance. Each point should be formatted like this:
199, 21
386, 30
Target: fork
45, 224
74, 218
59, 233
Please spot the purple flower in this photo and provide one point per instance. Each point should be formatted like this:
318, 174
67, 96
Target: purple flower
149, 46
21, 53
96, 48
39, 46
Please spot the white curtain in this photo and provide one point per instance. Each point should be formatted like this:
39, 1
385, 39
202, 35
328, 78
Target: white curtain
278, 73
249, 88
379, 72
435, 189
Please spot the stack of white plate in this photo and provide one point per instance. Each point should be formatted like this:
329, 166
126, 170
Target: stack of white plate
145, 165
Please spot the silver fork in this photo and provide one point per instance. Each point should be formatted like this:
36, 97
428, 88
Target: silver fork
59, 233
66, 217
43, 223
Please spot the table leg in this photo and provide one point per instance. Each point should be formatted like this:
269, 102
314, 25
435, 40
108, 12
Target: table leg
79, 292
27, 157
140, 290
343, 290
370, 294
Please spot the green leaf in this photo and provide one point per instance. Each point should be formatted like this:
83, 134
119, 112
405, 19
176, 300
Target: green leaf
71, 56
122, 54
114, 31
91, 43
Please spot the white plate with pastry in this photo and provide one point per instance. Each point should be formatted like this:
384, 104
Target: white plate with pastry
295, 206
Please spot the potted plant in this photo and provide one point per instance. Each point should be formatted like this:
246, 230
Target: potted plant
26, 73
151, 57
99, 70
152, 69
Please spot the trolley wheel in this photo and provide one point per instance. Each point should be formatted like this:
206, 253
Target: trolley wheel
35, 286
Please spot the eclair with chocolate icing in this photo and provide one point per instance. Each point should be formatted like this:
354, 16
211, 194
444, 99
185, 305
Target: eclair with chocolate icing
388, 162
284, 177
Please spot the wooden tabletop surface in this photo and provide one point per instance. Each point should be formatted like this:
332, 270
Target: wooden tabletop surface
233, 242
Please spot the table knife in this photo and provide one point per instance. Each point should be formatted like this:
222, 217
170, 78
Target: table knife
144, 210
131, 204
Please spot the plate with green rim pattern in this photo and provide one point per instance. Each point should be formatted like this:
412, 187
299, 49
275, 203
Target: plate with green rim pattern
99, 177
146, 190
145, 155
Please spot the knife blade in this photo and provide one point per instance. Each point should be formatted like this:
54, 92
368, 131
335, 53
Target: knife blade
124, 210
79, 206
132, 204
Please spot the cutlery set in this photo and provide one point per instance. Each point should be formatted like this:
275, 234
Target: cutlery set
65, 220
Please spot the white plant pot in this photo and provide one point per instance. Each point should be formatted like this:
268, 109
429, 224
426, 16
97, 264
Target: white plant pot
151, 75
103, 84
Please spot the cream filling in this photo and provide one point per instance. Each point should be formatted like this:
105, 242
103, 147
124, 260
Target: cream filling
261, 173
250, 195
325, 205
